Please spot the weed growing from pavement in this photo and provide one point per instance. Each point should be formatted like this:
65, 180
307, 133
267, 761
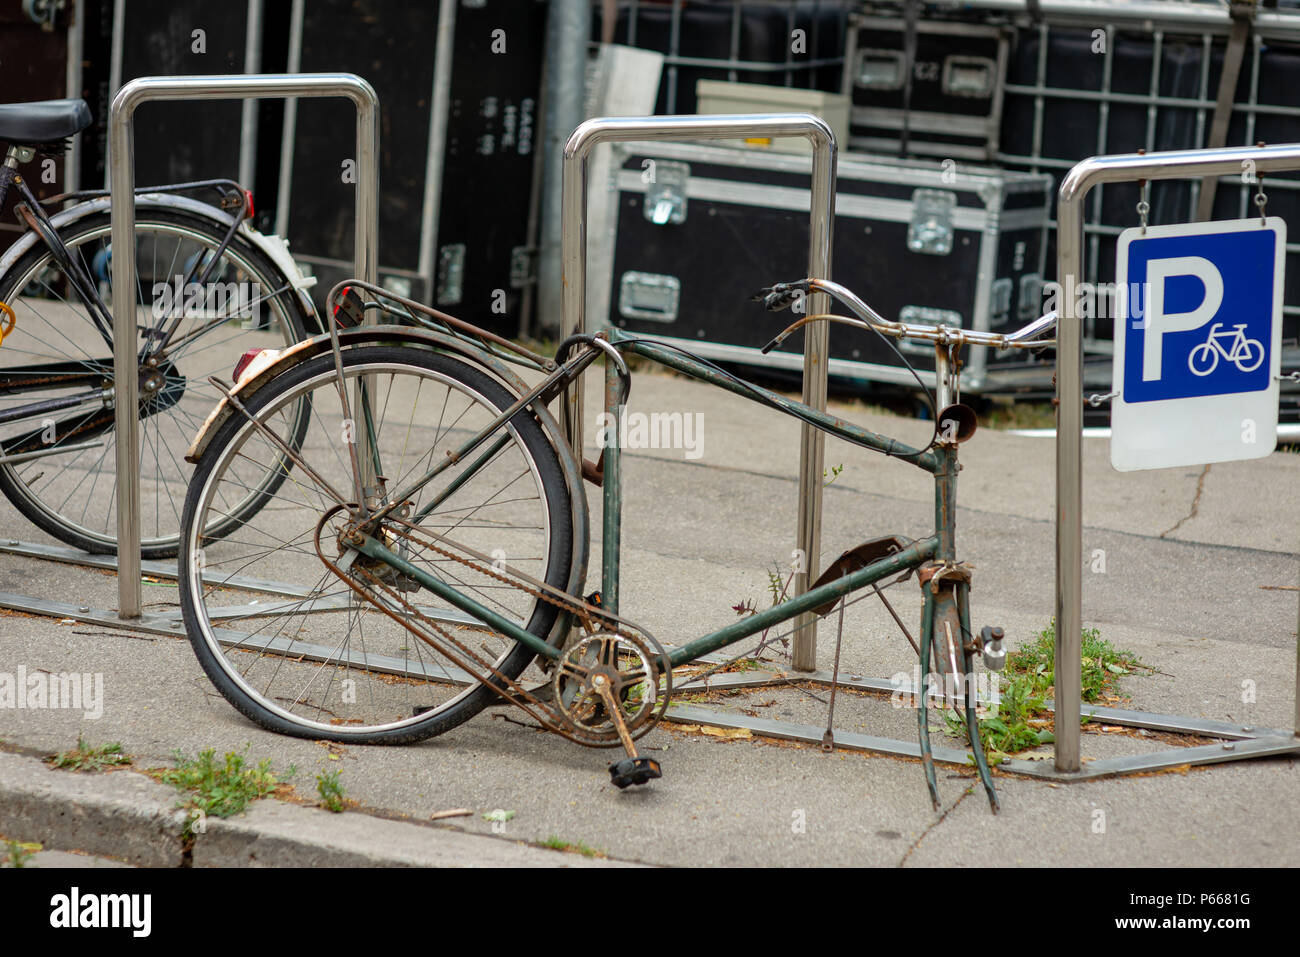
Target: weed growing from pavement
220, 787
86, 758
330, 791
1022, 719
1019, 724
17, 854
1103, 665
571, 847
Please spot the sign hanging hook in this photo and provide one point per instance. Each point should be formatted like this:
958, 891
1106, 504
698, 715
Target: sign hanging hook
1261, 198
1143, 207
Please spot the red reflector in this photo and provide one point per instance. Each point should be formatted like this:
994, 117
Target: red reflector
248, 202
347, 290
244, 360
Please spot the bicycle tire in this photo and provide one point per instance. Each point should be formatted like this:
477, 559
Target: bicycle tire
36, 287
232, 669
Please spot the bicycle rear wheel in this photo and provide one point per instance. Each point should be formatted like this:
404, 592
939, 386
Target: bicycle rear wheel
57, 440
322, 662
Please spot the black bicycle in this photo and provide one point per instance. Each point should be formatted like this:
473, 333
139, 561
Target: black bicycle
205, 279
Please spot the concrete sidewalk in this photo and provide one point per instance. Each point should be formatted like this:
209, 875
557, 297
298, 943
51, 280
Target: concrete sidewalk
1199, 581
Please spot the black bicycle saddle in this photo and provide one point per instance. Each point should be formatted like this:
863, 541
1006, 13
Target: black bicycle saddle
44, 121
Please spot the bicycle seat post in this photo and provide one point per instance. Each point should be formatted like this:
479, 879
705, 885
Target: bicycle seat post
14, 157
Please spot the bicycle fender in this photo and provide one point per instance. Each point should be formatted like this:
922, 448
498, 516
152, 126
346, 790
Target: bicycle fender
274, 248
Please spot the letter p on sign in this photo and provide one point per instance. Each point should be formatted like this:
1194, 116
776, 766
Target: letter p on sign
1159, 321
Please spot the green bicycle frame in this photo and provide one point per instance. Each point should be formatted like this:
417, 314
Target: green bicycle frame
941, 461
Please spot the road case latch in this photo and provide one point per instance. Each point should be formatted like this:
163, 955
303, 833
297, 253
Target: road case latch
931, 228
665, 195
646, 295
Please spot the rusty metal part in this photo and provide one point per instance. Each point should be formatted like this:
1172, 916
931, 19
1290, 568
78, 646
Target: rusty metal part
860, 556
549, 714
594, 472
935, 573
591, 690
828, 739
604, 686
408, 336
451, 322
433, 634
957, 423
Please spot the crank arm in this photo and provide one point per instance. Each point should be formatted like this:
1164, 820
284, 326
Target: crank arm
633, 769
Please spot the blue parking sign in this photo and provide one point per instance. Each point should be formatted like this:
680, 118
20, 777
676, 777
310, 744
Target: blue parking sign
1197, 340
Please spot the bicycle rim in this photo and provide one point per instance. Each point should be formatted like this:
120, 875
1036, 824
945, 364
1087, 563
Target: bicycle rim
69, 486
324, 662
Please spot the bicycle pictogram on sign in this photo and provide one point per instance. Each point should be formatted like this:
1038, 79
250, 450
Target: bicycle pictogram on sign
1245, 354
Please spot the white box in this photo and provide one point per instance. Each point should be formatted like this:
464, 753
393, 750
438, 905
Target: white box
719, 96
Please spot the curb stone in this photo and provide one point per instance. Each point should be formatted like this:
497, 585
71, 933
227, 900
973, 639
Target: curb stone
130, 817
119, 814
272, 833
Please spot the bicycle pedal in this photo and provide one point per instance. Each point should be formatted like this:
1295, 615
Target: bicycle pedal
634, 771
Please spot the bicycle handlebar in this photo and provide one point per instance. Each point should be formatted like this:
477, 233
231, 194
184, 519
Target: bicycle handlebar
782, 295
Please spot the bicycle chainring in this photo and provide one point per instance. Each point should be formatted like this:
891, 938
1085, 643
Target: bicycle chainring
632, 666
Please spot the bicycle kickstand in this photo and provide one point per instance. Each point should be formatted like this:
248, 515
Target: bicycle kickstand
634, 769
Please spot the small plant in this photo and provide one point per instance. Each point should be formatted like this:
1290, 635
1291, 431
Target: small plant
835, 471
1022, 718
571, 847
330, 791
17, 854
1018, 725
220, 788
85, 758
1103, 666
776, 585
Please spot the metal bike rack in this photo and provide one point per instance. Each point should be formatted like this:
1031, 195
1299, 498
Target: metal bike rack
1069, 437
816, 342
121, 147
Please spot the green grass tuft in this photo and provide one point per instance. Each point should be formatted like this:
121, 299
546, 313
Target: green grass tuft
1022, 718
86, 758
17, 854
571, 847
220, 787
330, 791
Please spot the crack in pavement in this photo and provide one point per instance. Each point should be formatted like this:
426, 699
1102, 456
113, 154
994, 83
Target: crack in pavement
1196, 503
942, 817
